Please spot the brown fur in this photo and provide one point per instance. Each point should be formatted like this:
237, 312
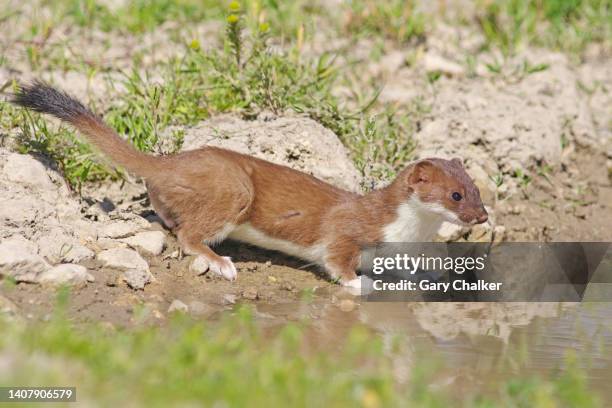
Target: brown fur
198, 193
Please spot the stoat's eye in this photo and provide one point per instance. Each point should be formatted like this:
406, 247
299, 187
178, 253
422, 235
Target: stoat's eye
456, 196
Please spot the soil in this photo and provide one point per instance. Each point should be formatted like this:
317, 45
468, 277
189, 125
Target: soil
264, 277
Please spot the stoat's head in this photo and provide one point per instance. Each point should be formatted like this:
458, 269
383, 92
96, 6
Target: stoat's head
443, 187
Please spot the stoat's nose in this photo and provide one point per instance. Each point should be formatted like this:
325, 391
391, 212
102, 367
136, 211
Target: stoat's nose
483, 218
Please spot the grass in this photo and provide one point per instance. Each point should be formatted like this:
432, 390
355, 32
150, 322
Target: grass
397, 20
567, 25
234, 363
248, 73
136, 16
73, 157
244, 76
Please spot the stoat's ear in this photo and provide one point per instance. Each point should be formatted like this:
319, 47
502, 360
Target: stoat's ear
421, 172
457, 160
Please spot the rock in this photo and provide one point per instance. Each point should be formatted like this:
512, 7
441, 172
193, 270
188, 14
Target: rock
58, 245
66, 274
451, 232
499, 233
119, 229
123, 258
25, 169
199, 266
19, 259
229, 299
178, 306
35, 202
517, 209
581, 212
137, 278
200, 309
505, 125
288, 286
485, 185
151, 242
487, 233
250, 294
137, 273
298, 142
480, 232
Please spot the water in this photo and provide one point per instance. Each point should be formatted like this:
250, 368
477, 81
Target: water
480, 344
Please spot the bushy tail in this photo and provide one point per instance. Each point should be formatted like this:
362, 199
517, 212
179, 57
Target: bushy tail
43, 98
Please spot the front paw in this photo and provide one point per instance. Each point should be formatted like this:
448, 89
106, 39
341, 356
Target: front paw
361, 285
222, 266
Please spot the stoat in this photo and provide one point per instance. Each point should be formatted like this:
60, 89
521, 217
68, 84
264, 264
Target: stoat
207, 195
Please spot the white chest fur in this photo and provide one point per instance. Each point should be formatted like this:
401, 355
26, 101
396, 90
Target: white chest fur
247, 233
415, 222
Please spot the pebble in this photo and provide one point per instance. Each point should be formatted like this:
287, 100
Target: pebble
229, 299
199, 266
288, 286
66, 274
151, 242
250, 294
200, 309
137, 278
123, 258
25, 169
178, 306
119, 229
20, 260
347, 305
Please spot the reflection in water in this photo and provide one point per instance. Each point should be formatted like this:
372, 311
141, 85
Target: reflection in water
476, 342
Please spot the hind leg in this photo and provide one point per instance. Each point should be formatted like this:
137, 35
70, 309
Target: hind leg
192, 243
208, 225
204, 203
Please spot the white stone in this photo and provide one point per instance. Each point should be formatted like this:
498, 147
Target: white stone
137, 278
66, 274
22, 168
178, 306
297, 142
123, 258
119, 229
151, 242
199, 265
451, 232
20, 260
59, 246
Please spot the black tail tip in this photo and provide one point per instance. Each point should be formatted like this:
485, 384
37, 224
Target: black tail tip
28, 93
41, 97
